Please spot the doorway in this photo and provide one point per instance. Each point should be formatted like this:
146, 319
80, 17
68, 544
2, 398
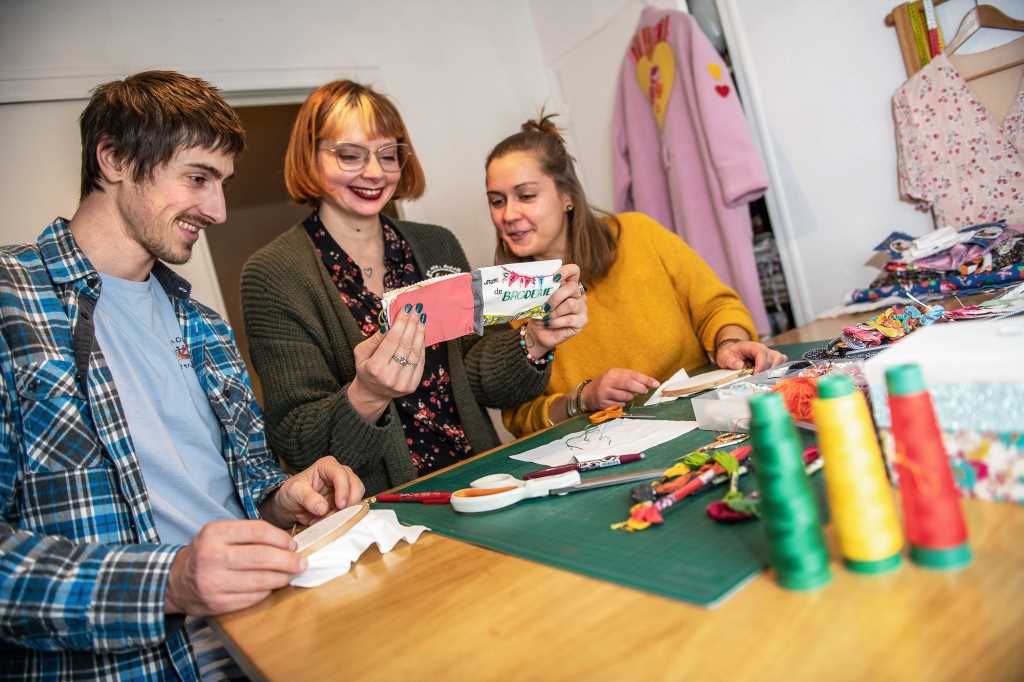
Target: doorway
259, 209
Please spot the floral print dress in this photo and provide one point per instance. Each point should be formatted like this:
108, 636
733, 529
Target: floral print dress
953, 157
429, 417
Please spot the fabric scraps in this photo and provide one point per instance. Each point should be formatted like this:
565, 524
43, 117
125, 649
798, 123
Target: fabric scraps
978, 257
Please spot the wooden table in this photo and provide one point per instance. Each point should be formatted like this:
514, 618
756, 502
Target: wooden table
444, 609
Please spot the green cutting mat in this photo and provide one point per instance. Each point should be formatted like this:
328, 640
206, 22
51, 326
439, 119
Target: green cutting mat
689, 557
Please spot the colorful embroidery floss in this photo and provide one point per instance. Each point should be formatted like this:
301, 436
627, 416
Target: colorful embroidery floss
797, 393
788, 506
859, 496
739, 507
931, 504
694, 473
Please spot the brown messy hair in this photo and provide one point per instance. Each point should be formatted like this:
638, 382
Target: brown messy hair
330, 108
147, 118
592, 232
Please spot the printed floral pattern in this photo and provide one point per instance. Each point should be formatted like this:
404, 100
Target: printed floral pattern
952, 156
989, 466
942, 284
430, 420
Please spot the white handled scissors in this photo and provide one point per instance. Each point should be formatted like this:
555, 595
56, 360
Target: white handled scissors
502, 490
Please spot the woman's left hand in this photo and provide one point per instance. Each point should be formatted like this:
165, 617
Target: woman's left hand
566, 314
740, 354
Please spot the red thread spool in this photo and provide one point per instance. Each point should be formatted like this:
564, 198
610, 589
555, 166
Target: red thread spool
931, 502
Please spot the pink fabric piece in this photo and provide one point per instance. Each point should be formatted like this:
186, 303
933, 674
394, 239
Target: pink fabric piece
449, 301
952, 157
698, 173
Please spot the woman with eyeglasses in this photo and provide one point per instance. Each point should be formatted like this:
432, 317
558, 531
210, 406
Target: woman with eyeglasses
655, 305
385, 404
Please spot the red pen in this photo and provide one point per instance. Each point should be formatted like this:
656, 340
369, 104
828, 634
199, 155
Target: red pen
610, 461
422, 498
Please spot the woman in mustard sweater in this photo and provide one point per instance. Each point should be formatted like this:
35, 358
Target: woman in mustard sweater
653, 304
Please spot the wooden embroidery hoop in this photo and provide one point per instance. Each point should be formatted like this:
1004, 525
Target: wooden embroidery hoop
707, 385
326, 531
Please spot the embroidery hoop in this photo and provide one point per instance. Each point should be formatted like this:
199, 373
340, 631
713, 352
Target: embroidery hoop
326, 531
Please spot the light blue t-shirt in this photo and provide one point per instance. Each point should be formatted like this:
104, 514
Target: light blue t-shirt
176, 435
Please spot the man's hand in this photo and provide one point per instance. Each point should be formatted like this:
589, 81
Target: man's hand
324, 487
230, 565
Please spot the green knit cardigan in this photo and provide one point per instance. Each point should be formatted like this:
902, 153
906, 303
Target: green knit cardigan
301, 338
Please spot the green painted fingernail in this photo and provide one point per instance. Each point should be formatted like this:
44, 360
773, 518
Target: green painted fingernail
419, 307
408, 307
423, 318
547, 307
558, 277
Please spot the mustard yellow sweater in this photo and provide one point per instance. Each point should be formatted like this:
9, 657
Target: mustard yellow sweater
657, 309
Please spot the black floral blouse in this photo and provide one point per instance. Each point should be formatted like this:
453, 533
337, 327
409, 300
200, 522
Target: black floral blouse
430, 420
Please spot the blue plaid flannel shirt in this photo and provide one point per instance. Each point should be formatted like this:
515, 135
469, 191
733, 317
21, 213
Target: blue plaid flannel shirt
82, 572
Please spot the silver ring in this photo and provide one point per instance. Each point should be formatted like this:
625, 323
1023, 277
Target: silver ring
583, 290
401, 359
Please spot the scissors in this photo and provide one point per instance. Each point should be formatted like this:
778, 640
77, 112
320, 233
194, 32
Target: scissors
617, 412
498, 491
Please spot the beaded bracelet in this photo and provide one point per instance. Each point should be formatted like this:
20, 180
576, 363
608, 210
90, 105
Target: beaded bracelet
574, 405
538, 362
580, 407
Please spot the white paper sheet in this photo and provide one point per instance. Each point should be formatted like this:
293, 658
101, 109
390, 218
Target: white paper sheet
379, 526
657, 398
619, 437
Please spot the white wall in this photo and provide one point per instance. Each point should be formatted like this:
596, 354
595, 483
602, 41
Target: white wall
584, 43
464, 75
820, 75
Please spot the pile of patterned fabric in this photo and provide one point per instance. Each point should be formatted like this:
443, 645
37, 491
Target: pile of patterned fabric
891, 325
947, 261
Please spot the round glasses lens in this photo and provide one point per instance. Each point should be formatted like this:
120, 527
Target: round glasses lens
392, 157
351, 157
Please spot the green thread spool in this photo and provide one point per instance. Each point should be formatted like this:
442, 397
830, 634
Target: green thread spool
788, 505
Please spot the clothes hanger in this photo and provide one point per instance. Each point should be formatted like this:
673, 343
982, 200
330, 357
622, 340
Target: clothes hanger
996, 59
985, 16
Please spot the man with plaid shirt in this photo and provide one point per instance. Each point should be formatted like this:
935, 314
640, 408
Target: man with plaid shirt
137, 493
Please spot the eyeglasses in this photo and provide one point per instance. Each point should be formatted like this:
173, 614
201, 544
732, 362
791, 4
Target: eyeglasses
354, 157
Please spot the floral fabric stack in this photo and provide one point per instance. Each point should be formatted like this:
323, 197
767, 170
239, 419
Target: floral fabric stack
947, 261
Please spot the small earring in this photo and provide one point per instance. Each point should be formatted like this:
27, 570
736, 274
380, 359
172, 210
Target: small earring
568, 208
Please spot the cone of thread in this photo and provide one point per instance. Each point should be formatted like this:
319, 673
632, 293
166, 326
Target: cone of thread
859, 497
932, 512
789, 509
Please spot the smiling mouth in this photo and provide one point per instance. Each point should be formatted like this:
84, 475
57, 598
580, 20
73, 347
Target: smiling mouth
191, 225
518, 235
368, 194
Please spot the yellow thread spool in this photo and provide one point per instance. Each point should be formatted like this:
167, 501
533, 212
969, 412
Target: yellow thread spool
859, 496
